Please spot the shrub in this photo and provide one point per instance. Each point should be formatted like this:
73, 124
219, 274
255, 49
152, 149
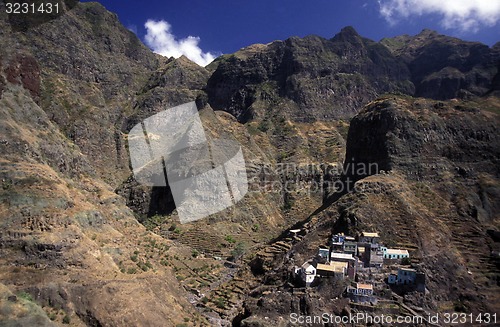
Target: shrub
26, 296
230, 239
195, 253
263, 126
66, 320
220, 303
238, 250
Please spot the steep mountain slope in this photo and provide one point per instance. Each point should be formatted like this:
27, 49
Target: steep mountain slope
442, 163
433, 189
90, 69
69, 244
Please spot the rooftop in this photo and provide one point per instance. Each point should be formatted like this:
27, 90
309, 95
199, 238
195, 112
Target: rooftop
369, 234
335, 255
396, 251
307, 265
364, 286
333, 266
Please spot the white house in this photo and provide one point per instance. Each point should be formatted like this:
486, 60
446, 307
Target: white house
308, 273
361, 293
394, 253
361, 289
405, 276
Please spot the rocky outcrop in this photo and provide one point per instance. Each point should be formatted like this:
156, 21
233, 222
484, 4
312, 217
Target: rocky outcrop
444, 67
419, 138
324, 79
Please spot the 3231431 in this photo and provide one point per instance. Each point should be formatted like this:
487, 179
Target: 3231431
31, 8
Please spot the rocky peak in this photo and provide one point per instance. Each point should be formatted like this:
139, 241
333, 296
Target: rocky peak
180, 72
347, 34
426, 33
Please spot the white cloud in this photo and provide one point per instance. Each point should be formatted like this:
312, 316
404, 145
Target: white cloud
464, 15
160, 39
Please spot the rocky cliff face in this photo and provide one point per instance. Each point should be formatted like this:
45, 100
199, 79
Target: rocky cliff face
331, 79
72, 87
323, 79
410, 135
444, 67
85, 71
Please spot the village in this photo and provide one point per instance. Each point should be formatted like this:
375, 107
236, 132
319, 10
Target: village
366, 267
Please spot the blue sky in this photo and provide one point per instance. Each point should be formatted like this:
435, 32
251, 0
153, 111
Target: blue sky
224, 26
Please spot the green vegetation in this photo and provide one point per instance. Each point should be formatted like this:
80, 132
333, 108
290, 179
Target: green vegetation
238, 251
66, 320
220, 302
6, 184
25, 296
230, 239
282, 155
195, 253
263, 126
289, 202
154, 221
